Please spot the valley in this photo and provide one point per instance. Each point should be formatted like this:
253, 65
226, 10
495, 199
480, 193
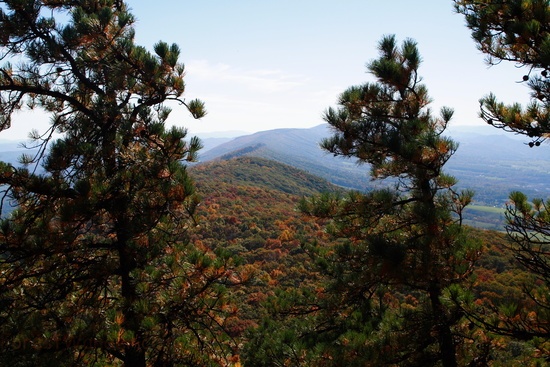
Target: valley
487, 161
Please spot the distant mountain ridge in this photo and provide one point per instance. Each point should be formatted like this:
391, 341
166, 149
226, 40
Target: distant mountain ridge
298, 148
488, 161
491, 164
250, 171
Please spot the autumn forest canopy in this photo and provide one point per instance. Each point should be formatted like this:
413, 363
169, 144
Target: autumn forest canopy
117, 251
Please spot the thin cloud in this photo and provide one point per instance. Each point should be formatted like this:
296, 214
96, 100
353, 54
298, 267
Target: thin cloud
259, 80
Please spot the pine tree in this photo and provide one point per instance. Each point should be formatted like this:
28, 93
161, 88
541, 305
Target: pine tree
398, 250
95, 263
519, 31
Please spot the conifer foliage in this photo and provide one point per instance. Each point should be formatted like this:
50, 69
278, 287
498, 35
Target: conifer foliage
401, 250
95, 265
519, 31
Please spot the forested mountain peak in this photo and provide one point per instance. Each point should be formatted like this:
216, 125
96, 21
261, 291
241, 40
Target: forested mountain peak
248, 209
250, 171
487, 161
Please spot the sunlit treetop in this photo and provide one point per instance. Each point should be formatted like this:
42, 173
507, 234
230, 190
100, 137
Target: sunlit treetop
78, 59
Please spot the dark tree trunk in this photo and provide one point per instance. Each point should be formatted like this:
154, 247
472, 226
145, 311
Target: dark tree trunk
135, 357
444, 333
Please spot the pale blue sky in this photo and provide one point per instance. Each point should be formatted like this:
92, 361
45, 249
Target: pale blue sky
261, 64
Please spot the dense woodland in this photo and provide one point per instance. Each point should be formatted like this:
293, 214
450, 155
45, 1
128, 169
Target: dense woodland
277, 241
118, 253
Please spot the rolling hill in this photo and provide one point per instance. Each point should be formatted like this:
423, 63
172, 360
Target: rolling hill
490, 163
263, 174
298, 148
248, 209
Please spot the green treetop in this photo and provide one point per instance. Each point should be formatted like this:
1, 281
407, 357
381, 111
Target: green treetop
397, 250
517, 31
406, 235
95, 265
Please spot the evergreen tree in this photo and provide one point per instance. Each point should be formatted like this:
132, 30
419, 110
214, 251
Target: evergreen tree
95, 263
519, 31
399, 250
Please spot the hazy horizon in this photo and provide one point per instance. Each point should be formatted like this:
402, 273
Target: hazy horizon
265, 65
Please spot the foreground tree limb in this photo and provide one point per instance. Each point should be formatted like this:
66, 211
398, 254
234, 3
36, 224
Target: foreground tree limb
96, 266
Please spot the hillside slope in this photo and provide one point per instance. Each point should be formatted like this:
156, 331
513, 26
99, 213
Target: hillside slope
298, 148
261, 173
491, 165
248, 210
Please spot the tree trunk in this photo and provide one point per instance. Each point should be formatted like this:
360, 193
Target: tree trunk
134, 357
444, 333
134, 353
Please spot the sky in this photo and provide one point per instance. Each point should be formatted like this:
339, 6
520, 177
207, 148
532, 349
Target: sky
266, 64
